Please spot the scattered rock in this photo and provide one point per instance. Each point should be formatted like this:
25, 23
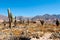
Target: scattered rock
55, 35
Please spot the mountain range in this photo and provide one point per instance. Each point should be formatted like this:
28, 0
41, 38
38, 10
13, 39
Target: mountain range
45, 17
3, 17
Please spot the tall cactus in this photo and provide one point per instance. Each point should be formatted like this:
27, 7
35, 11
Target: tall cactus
10, 18
28, 21
23, 21
20, 20
15, 21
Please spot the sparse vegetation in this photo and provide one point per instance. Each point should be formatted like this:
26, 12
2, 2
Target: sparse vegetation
42, 22
31, 30
57, 22
15, 21
28, 21
4, 23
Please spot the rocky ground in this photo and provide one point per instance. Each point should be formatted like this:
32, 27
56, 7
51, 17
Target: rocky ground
32, 32
46, 36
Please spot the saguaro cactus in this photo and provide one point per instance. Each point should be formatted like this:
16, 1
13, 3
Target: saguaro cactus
57, 22
23, 21
28, 21
15, 21
20, 20
10, 18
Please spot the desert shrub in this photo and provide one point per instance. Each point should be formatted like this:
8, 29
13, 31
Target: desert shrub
4, 23
21, 20
33, 21
16, 38
24, 38
57, 22
42, 22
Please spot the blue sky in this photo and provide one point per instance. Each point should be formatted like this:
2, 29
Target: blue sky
30, 7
